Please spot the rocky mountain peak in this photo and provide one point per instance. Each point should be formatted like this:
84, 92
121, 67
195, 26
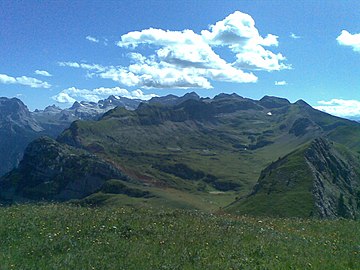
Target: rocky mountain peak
271, 102
76, 105
302, 103
191, 95
13, 108
224, 95
51, 109
14, 113
172, 100
56, 171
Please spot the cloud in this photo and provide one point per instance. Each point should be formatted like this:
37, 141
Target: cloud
94, 67
147, 75
70, 95
340, 107
347, 39
63, 97
92, 39
185, 59
238, 33
280, 83
43, 73
24, 80
294, 36
5, 79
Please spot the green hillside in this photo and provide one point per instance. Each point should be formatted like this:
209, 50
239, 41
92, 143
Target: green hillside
320, 179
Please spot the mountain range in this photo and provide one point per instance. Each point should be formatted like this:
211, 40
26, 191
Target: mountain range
257, 157
19, 126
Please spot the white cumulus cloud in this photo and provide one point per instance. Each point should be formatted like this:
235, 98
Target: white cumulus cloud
340, 107
43, 73
185, 59
63, 97
5, 79
72, 94
238, 33
24, 80
280, 83
347, 39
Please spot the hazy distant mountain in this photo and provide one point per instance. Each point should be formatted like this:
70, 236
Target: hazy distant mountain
84, 110
19, 126
17, 129
172, 100
202, 146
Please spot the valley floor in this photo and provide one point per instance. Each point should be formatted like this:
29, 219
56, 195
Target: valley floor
57, 236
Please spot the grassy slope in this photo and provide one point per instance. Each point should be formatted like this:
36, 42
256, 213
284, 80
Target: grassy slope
208, 147
348, 136
286, 187
142, 144
161, 198
280, 191
67, 237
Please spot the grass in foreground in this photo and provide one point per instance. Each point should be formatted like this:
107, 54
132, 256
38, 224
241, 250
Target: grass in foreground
56, 236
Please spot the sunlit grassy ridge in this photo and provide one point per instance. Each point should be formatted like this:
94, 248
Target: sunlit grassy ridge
320, 179
68, 237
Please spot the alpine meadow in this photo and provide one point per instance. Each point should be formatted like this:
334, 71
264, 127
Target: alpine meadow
179, 134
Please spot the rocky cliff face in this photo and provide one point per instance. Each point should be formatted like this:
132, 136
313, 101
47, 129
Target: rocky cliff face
14, 114
17, 129
52, 171
335, 180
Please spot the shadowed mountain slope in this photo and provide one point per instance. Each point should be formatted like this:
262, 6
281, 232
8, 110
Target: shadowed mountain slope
53, 171
17, 129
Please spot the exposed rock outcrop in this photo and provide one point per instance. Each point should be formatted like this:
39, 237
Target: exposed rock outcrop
334, 177
52, 171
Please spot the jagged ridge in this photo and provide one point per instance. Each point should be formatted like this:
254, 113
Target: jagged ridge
319, 179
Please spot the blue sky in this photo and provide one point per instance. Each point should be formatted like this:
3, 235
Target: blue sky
61, 51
